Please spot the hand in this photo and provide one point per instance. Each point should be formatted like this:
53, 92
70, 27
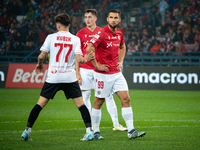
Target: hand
39, 68
102, 67
78, 76
119, 65
89, 56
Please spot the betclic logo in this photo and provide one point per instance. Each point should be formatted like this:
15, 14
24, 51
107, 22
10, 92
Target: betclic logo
25, 76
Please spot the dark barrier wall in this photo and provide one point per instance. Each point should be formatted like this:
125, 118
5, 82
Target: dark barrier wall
3, 74
163, 78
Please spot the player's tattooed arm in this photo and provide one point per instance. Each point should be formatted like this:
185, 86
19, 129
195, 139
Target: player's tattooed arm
39, 66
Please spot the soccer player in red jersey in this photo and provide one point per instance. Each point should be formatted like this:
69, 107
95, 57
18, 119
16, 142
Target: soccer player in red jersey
85, 72
110, 49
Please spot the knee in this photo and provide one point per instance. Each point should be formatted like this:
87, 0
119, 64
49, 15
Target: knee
126, 101
98, 103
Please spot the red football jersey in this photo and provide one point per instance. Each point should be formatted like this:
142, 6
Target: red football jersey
107, 46
85, 36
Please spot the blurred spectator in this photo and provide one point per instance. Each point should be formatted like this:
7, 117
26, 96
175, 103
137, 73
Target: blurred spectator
156, 47
151, 31
190, 21
171, 47
180, 49
196, 47
179, 17
163, 48
179, 35
76, 5
146, 46
185, 36
4, 20
186, 26
167, 38
191, 36
182, 8
172, 34
132, 47
189, 9
163, 6
197, 34
163, 28
31, 13
173, 25
154, 11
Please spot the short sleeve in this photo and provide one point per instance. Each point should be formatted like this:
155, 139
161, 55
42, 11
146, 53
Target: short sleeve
78, 46
97, 39
46, 45
122, 40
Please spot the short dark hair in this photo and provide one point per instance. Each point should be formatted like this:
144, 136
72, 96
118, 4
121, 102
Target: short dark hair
63, 18
92, 11
114, 11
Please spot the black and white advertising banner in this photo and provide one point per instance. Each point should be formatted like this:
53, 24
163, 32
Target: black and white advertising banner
162, 78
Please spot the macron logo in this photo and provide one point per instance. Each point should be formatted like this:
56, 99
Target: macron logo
2, 75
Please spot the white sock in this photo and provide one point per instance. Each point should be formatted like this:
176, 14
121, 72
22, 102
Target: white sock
86, 98
96, 118
112, 110
88, 129
28, 129
127, 114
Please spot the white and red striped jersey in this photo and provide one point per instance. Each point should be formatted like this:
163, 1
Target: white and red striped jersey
62, 47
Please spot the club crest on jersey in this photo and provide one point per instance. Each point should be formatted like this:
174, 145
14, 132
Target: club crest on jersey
99, 92
109, 44
53, 71
85, 35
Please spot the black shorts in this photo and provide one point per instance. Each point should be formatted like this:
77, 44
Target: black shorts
71, 90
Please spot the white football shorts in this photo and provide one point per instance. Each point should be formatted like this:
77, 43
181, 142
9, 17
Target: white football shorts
106, 84
87, 76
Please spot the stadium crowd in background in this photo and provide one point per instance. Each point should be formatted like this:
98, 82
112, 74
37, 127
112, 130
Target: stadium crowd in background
24, 24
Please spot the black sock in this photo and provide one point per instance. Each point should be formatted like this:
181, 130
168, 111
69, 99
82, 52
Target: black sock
85, 115
33, 115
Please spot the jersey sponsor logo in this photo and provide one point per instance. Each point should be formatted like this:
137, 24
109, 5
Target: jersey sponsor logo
116, 45
64, 38
93, 40
25, 76
109, 44
53, 71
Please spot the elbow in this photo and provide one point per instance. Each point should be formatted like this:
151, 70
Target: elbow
40, 57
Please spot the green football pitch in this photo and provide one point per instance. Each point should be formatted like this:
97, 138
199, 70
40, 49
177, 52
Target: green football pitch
171, 120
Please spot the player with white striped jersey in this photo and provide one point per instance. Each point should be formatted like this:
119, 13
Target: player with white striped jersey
64, 49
